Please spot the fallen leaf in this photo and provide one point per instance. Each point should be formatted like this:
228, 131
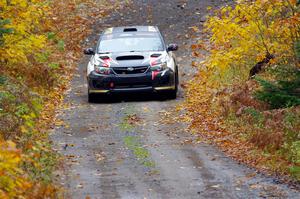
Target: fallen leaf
215, 186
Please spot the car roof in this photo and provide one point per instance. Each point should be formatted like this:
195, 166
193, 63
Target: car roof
131, 31
121, 29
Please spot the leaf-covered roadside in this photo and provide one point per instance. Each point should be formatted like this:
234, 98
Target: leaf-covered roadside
40, 43
246, 96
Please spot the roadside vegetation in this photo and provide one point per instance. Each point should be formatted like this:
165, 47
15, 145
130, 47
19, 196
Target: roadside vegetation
246, 95
39, 47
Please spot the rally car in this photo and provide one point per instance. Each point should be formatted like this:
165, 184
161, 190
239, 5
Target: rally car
132, 59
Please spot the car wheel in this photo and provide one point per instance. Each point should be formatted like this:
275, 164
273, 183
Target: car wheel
172, 94
176, 79
92, 97
169, 94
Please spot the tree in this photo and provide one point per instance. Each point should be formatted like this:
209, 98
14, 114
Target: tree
253, 32
21, 19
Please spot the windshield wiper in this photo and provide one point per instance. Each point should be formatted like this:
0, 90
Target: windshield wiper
104, 52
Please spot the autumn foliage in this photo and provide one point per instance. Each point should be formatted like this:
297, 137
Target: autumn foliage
39, 46
243, 35
12, 180
252, 70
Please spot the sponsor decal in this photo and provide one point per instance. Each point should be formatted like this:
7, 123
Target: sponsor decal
130, 69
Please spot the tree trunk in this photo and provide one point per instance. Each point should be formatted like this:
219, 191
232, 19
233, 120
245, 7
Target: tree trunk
259, 66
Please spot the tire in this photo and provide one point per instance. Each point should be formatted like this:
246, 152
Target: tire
172, 94
176, 79
92, 97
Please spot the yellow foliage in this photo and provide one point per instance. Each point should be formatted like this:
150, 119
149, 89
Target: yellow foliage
12, 180
25, 18
244, 34
240, 36
33, 37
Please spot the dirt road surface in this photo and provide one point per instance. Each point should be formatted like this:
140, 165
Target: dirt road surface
123, 147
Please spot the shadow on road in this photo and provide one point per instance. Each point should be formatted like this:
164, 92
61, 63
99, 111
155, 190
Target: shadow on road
130, 97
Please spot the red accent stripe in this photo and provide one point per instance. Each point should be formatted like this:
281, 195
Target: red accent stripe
107, 62
153, 61
154, 74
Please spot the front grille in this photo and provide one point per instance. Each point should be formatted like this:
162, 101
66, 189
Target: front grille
129, 85
130, 70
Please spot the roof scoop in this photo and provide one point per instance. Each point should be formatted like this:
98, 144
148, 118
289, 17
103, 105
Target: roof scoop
130, 30
130, 57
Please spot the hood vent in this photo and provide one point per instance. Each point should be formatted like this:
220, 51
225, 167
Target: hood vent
156, 55
130, 57
104, 57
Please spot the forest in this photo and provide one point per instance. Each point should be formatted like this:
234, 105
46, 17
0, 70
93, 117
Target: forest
244, 98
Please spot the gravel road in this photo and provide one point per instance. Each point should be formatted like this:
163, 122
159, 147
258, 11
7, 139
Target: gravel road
124, 147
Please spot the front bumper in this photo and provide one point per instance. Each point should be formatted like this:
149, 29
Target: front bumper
146, 82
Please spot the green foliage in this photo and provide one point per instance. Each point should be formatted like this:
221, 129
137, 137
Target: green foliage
42, 57
297, 49
41, 161
54, 65
2, 79
291, 122
295, 171
280, 94
258, 117
138, 150
290, 119
3, 29
51, 36
61, 45
20, 108
295, 152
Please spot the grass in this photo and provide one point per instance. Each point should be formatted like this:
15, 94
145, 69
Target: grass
125, 126
129, 121
139, 151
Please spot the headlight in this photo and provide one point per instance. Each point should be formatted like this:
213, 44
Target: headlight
159, 67
102, 70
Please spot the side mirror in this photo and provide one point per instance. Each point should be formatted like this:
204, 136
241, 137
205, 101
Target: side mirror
172, 47
89, 51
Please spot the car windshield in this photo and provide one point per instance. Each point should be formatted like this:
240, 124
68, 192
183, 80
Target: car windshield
127, 44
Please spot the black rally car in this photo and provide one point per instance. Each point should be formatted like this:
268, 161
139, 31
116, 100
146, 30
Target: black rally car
132, 59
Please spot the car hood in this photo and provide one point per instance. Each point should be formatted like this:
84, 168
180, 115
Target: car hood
130, 59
